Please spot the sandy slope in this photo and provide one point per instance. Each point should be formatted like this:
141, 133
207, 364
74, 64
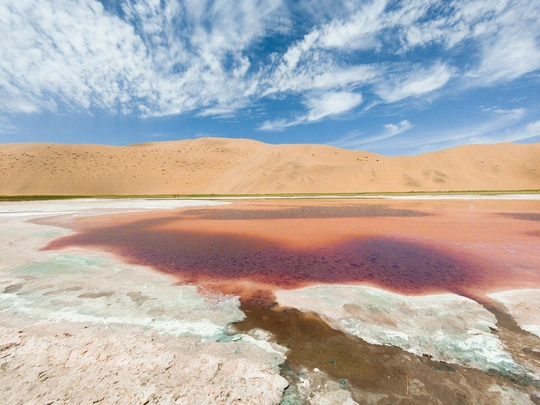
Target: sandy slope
214, 165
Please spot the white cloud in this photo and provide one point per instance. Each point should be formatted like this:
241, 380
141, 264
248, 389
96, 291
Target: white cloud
515, 113
171, 56
331, 104
221, 112
6, 127
506, 31
319, 106
365, 26
276, 125
358, 32
416, 83
316, 72
396, 129
203, 135
507, 133
506, 58
455, 22
71, 52
487, 131
533, 128
498, 126
357, 139
160, 58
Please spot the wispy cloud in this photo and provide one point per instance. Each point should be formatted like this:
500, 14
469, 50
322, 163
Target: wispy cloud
331, 104
497, 125
156, 58
515, 134
489, 131
203, 135
417, 82
508, 38
356, 139
221, 112
319, 106
396, 129
379, 26
6, 127
276, 125
533, 128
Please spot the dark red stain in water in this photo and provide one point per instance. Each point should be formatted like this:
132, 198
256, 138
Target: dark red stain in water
224, 261
525, 216
306, 211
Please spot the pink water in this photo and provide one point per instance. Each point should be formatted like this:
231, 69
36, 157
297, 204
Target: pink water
407, 247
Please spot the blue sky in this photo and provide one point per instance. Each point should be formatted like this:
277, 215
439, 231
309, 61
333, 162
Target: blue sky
393, 77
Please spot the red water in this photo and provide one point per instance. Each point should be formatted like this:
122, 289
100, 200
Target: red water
252, 249
409, 248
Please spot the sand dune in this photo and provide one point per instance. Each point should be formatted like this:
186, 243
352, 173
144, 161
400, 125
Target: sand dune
240, 166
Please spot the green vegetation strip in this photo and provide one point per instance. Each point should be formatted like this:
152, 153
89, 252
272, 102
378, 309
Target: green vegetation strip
300, 195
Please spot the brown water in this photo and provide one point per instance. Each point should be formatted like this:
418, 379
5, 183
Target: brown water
255, 248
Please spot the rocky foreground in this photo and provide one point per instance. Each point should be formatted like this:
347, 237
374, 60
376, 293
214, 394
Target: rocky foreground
81, 328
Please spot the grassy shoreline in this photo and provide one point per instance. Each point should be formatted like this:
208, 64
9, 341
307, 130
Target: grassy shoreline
299, 195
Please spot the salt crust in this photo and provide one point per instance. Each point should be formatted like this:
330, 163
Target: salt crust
88, 206
448, 327
524, 306
79, 327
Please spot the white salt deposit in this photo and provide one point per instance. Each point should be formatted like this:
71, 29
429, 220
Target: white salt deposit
88, 206
448, 327
524, 306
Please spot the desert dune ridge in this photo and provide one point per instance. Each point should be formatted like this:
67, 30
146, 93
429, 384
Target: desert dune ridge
245, 167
